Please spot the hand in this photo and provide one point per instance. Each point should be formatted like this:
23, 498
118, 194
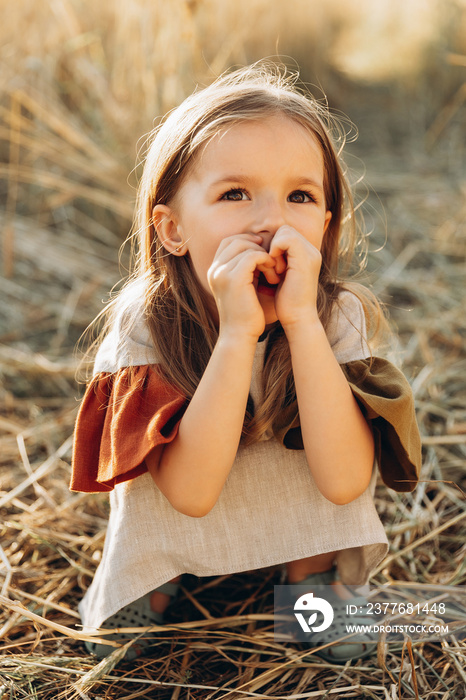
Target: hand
296, 297
232, 278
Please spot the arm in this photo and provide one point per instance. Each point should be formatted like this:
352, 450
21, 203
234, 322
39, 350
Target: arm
337, 440
191, 470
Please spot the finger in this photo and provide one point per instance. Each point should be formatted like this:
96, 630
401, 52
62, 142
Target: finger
235, 244
239, 268
268, 269
253, 260
280, 264
289, 242
270, 275
282, 241
269, 264
274, 269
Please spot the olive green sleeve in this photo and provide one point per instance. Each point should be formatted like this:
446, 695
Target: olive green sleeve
386, 400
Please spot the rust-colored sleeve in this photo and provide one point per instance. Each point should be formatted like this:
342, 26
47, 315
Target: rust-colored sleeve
122, 417
386, 400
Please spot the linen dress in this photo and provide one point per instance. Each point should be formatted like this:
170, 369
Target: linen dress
269, 510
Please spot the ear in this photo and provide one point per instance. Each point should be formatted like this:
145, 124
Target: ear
328, 216
168, 230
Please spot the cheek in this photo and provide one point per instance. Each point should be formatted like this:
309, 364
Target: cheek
315, 231
202, 258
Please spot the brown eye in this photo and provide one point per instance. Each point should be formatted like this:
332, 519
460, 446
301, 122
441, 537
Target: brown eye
235, 195
300, 197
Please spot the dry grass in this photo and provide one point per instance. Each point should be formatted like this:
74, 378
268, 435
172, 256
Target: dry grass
75, 95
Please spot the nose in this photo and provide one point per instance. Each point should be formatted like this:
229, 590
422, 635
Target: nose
268, 217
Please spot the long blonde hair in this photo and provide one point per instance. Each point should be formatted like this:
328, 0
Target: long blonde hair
175, 304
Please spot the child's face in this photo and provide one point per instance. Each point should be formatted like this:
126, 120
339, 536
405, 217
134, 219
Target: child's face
252, 178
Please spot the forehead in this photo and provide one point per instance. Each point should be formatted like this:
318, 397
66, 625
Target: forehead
258, 143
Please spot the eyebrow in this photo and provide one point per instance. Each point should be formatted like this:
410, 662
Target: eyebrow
228, 179
303, 180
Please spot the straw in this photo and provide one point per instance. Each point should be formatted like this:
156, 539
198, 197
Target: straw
75, 98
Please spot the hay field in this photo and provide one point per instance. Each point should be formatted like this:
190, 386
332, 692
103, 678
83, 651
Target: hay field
80, 84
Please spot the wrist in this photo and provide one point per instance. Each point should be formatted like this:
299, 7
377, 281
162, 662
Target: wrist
234, 337
310, 324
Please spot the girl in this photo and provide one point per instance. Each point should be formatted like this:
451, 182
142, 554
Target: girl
236, 413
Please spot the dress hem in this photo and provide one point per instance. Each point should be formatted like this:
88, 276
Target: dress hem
371, 562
